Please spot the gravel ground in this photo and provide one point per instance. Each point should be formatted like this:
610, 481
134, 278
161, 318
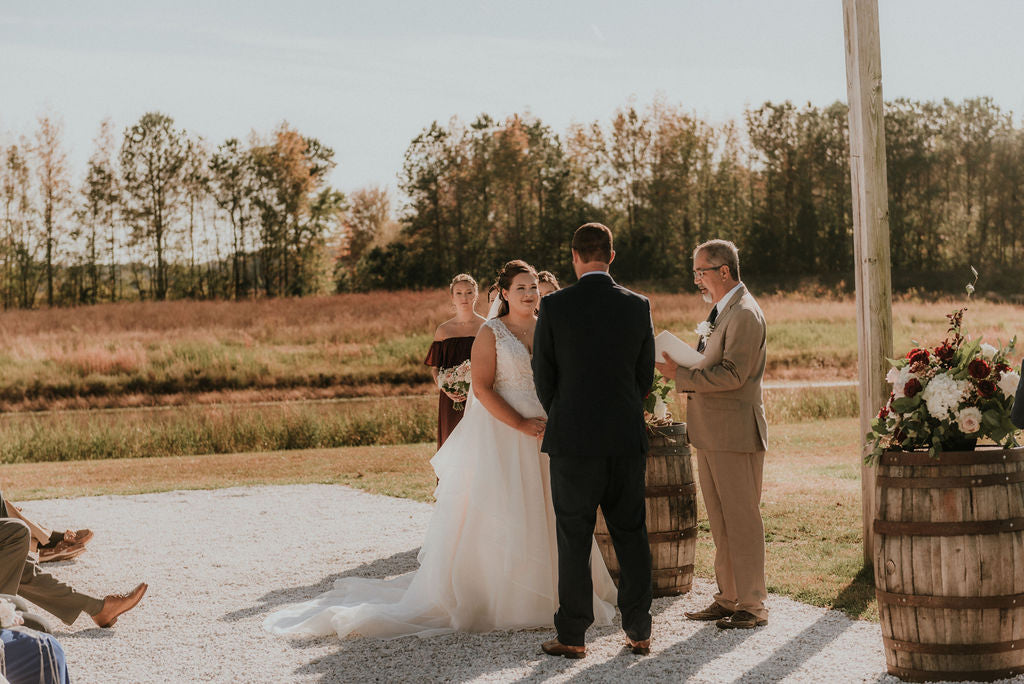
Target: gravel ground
218, 561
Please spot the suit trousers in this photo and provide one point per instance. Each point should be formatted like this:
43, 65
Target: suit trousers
578, 487
731, 484
20, 574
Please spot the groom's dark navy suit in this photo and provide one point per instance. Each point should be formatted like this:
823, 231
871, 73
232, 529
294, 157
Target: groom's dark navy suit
593, 363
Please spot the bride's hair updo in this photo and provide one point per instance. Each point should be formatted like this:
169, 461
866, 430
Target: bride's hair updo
506, 275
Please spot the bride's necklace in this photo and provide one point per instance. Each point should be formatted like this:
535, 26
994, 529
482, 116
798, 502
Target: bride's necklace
522, 335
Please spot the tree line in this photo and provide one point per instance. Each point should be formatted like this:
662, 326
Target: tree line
777, 183
161, 213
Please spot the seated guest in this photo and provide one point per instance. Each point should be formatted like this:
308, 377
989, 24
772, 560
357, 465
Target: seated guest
31, 657
51, 544
20, 574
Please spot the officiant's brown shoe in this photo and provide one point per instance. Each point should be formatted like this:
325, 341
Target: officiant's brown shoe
116, 604
715, 611
639, 647
741, 619
557, 648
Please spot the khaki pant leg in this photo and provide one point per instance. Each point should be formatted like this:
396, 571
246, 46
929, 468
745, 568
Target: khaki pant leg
55, 597
14, 542
726, 595
739, 477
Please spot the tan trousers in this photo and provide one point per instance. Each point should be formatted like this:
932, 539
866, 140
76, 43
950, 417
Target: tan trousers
21, 575
731, 484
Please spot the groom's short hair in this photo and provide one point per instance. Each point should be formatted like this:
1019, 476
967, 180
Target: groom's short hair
593, 242
723, 253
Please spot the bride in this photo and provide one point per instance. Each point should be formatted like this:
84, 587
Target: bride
489, 560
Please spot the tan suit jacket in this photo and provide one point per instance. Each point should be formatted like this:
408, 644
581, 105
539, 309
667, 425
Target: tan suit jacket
725, 411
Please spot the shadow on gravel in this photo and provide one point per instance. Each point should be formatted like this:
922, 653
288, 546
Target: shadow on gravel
397, 564
791, 655
91, 633
687, 658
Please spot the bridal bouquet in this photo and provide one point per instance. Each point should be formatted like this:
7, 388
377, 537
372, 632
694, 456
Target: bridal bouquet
456, 381
947, 397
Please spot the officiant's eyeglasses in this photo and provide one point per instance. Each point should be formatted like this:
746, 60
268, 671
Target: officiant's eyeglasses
699, 272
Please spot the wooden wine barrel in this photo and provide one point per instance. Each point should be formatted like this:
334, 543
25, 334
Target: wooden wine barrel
949, 563
671, 514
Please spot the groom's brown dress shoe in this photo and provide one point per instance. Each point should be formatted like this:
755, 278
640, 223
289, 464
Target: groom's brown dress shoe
715, 611
741, 619
639, 647
557, 648
116, 604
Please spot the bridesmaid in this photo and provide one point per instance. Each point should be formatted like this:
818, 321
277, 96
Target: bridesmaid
453, 342
547, 283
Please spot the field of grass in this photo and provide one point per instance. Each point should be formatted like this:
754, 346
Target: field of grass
225, 429
159, 353
811, 502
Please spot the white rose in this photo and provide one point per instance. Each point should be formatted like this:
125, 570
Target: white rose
987, 350
660, 409
969, 420
1008, 383
943, 394
892, 375
704, 329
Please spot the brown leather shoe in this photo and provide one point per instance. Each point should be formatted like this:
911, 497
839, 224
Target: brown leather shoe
715, 611
639, 647
741, 619
78, 536
557, 648
62, 550
116, 604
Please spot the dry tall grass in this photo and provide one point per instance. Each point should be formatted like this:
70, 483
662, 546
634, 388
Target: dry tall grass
345, 345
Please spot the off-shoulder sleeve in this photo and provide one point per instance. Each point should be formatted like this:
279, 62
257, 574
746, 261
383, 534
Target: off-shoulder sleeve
434, 355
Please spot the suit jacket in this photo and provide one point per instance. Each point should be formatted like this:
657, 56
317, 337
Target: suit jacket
1017, 414
725, 411
593, 364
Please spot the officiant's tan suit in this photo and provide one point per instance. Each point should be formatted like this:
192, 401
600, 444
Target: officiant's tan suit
726, 423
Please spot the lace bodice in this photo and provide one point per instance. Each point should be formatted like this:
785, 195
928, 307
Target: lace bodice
513, 374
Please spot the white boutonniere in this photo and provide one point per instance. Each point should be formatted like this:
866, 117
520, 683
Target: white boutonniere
705, 329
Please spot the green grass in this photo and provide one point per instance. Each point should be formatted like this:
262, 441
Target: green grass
147, 433
222, 429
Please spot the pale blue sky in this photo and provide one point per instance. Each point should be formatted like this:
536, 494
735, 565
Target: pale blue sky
366, 76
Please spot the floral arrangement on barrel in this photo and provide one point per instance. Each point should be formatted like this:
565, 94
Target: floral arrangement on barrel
456, 380
656, 411
948, 397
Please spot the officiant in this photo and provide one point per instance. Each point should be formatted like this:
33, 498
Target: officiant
726, 424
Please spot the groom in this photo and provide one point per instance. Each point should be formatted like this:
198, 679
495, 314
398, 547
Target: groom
593, 364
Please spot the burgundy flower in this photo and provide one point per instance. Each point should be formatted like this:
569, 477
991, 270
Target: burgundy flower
1002, 367
912, 387
945, 352
979, 368
884, 413
916, 356
986, 388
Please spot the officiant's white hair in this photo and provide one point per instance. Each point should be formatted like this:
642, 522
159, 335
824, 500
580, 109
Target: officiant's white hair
723, 253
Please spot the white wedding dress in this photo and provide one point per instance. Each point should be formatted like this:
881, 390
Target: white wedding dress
489, 559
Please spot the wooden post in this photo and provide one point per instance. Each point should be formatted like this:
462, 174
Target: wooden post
870, 225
